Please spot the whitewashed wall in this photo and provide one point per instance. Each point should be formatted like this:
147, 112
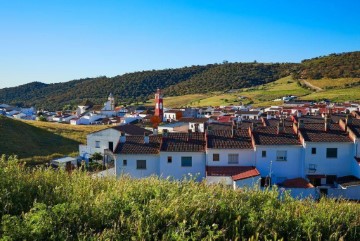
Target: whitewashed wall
178, 172
352, 192
152, 165
292, 168
340, 166
246, 157
252, 182
104, 136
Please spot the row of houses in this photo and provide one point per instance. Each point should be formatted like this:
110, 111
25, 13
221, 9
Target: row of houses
18, 112
308, 155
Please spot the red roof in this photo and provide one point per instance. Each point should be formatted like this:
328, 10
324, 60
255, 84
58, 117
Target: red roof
297, 183
236, 172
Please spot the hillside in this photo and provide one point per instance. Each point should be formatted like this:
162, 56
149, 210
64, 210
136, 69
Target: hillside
194, 80
41, 139
138, 86
333, 66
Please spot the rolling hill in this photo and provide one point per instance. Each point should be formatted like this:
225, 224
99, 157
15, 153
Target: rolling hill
204, 81
28, 139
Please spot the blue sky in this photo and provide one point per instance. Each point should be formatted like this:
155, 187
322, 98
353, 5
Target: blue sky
61, 40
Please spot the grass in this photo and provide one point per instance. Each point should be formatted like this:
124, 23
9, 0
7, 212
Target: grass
262, 95
334, 83
39, 142
337, 90
336, 95
42, 204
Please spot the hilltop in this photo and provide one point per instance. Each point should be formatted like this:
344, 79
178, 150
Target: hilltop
206, 81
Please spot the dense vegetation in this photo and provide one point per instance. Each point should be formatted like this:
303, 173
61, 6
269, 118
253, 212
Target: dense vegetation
333, 66
42, 204
231, 76
139, 86
126, 88
43, 140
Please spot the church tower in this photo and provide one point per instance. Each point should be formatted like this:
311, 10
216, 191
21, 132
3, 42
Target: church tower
159, 105
111, 99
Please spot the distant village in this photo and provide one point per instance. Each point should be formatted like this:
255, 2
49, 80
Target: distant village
309, 148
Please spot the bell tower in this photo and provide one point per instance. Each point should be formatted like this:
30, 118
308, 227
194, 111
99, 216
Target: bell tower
159, 104
112, 101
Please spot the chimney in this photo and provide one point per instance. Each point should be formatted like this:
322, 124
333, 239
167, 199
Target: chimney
165, 133
348, 119
253, 126
234, 122
122, 137
146, 138
155, 131
280, 127
300, 124
298, 114
189, 135
327, 123
232, 132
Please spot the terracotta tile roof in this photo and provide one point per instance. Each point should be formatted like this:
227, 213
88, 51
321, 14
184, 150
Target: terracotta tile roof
221, 139
130, 129
315, 132
220, 126
236, 172
355, 126
250, 112
297, 183
225, 118
347, 181
267, 135
276, 121
183, 142
136, 145
192, 119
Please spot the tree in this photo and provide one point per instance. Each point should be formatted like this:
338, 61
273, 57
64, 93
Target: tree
97, 156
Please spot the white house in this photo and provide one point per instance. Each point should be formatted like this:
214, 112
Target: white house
183, 154
230, 158
278, 153
107, 139
137, 156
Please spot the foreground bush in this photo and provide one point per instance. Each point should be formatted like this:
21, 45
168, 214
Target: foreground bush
48, 205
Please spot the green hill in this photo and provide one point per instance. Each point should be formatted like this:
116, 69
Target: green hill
43, 140
333, 66
139, 86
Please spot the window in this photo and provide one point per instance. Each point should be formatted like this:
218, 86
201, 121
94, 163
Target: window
140, 164
281, 155
124, 162
97, 144
313, 150
233, 159
169, 159
331, 152
263, 154
216, 157
186, 161
265, 182
111, 145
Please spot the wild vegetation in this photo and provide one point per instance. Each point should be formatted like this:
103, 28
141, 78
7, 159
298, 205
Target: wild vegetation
42, 204
333, 66
37, 142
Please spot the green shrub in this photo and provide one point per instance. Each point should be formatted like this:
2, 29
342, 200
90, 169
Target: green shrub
43, 204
